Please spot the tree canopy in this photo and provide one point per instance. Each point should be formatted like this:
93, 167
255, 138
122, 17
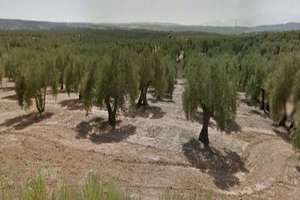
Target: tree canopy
210, 87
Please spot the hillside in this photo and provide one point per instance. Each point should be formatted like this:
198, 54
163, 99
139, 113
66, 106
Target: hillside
9, 24
149, 153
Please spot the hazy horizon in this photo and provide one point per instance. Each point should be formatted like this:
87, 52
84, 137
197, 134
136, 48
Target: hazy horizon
188, 12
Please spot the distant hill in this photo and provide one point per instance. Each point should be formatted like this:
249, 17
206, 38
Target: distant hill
11, 24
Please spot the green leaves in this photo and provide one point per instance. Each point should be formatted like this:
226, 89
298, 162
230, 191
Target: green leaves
282, 82
110, 81
34, 76
296, 131
209, 85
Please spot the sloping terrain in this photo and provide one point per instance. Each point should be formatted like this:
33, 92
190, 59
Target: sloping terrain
16, 24
151, 150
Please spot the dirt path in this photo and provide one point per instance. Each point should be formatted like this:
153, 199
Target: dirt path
149, 153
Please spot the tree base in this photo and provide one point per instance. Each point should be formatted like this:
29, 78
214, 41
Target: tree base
283, 121
203, 137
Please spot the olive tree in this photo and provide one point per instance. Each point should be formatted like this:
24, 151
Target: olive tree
61, 63
281, 85
152, 73
32, 81
89, 84
114, 82
255, 87
1, 69
209, 86
73, 75
170, 74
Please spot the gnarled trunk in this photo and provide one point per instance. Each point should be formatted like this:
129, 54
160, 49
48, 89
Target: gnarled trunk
80, 96
262, 103
61, 81
111, 112
143, 96
203, 137
284, 118
40, 100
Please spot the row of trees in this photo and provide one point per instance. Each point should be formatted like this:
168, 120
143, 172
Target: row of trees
104, 81
275, 86
265, 66
108, 72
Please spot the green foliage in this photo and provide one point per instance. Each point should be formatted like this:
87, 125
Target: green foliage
73, 74
281, 83
170, 73
89, 85
296, 131
155, 70
116, 80
32, 81
35, 190
108, 67
63, 193
257, 79
92, 189
210, 87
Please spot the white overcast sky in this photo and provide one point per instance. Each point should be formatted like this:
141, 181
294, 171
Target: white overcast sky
197, 12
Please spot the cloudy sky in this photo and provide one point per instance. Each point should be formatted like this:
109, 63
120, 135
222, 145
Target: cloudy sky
197, 12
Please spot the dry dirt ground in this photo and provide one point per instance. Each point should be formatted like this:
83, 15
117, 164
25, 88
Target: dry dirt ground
149, 152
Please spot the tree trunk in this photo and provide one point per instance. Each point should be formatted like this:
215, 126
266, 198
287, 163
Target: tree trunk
267, 108
158, 98
61, 86
112, 119
284, 118
145, 101
262, 103
292, 125
140, 102
203, 137
61, 81
111, 113
80, 96
40, 101
143, 96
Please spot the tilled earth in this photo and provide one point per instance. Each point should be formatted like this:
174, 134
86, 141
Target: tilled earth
151, 150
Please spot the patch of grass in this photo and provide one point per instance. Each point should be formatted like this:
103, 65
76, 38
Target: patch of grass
63, 193
93, 188
35, 190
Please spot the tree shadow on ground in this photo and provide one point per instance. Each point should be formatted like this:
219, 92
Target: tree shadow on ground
154, 112
246, 101
84, 128
24, 121
283, 133
233, 126
221, 166
114, 136
7, 89
72, 104
99, 131
165, 100
262, 114
12, 97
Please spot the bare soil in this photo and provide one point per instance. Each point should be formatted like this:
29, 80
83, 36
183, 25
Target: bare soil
151, 150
